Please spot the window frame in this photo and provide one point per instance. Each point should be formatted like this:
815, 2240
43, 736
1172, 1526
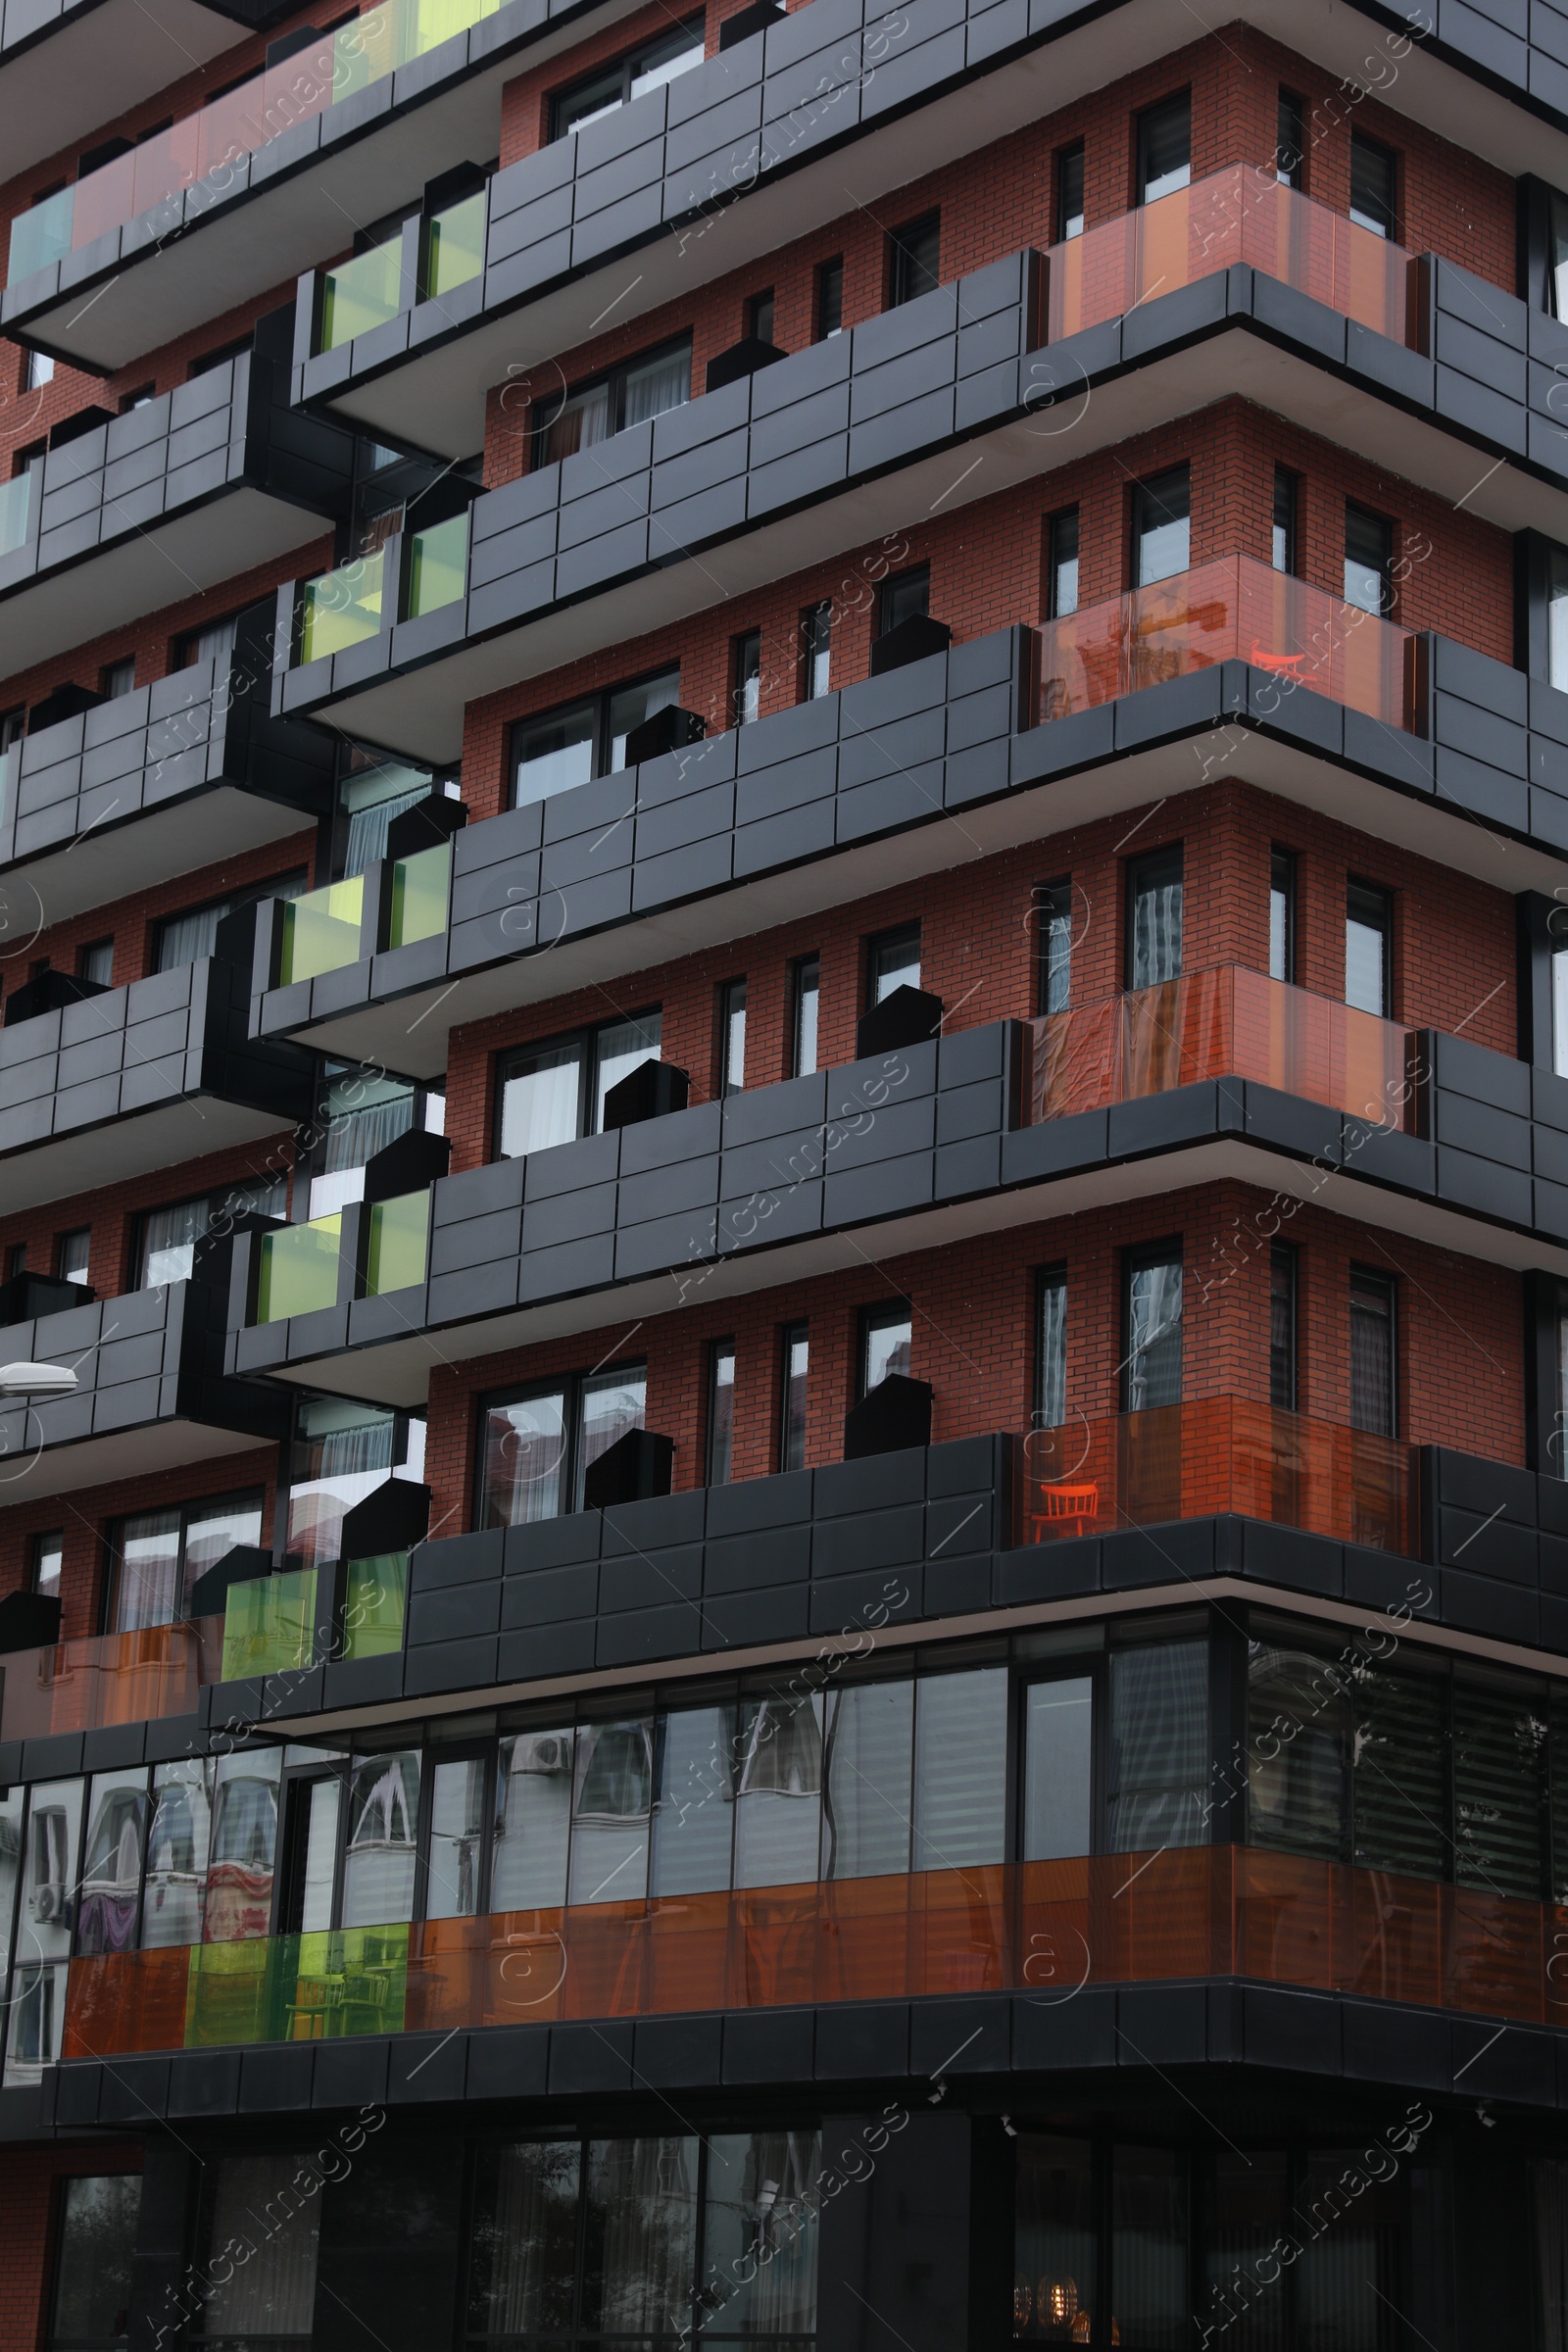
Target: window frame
1061, 527
572, 1388
817, 644
1284, 1258
1384, 568
876, 944
598, 702
1048, 1278
1369, 1280
914, 580
718, 1352
730, 1005
113, 1543
903, 262
1145, 121
613, 380
1144, 502
883, 1314
1171, 855
806, 979
1135, 1262
1286, 493
628, 67
1067, 160
746, 677
1284, 880
1052, 907
791, 1335
828, 299
1289, 139
589, 1040
1390, 157
1385, 929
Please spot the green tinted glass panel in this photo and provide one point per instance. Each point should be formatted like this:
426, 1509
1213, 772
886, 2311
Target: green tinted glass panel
299, 1269
321, 931
269, 1626
16, 497
456, 246
374, 1605
230, 1994
394, 1257
420, 896
41, 235
342, 607
361, 294
438, 565
319, 1987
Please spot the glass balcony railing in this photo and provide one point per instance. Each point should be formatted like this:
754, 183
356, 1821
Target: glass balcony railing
361, 294
395, 1244
1222, 1022
15, 507
80, 1686
1181, 1913
1233, 610
360, 50
341, 608
438, 565
298, 1266
1239, 215
374, 1603
321, 931
418, 897
1214, 1454
269, 1626
454, 250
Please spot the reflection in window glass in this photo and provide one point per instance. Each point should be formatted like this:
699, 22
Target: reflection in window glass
693, 1815
524, 1457
271, 2294
612, 1811
631, 705
244, 1847
1350, 2278
159, 1556
869, 1758
177, 1843
524, 2240
1154, 908
1059, 1749
97, 2239
960, 1761
620, 1047
108, 1898
1161, 527
759, 2226
533, 1822
639, 2236
1164, 148
1159, 1746
611, 1403
343, 1452
1298, 1788
1149, 2281
889, 1335
1153, 1341
1055, 2248
1051, 1378
383, 1822
11, 1809
778, 1751
552, 754
457, 1839
540, 1099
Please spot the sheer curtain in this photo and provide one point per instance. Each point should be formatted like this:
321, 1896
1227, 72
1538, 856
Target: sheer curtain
539, 1102
658, 385
257, 2205
525, 2239
762, 2203
641, 2237
148, 1571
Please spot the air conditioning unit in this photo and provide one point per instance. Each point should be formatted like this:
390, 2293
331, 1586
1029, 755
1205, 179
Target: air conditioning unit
543, 1752
49, 1903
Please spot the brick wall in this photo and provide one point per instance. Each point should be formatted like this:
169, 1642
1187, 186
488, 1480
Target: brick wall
28, 2189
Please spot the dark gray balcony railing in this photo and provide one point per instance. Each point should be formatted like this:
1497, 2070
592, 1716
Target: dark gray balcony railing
209, 480
150, 1392
157, 783
167, 1064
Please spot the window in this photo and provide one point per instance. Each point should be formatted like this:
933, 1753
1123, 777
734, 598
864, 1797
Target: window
72, 1254
914, 253
1368, 561
806, 983
360, 1111
1282, 1355
535, 1448
613, 86
13, 727
1557, 597
119, 677
1070, 192
168, 1237
746, 677
892, 960
141, 397
886, 1339
760, 315
239, 348
732, 1036
816, 651
1054, 946
157, 1556
213, 642
720, 1411
1290, 141
1280, 915
371, 792
1162, 525
1051, 1348
342, 1451
1164, 148
552, 1094
1058, 1768
1153, 941
618, 2231
97, 962
16, 1261
1282, 551
1061, 565
1368, 936
48, 1557
1158, 1766
1151, 1331
1372, 185
611, 404
270, 2294
797, 1356
186, 938
829, 305
37, 370
562, 748
906, 596
96, 2247
1373, 1404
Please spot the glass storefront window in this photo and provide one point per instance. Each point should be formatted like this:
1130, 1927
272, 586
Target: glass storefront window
268, 2204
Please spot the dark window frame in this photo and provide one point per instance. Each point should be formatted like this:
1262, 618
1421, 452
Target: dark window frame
568, 1385
792, 1334
598, 702
587, 1037
899, 584
232, 1499
1069, 162
905, 263
717, 1352
880, 1315
801, 968
889, 937
626, 67
1147, 120
1053, 905
616, 379
828, 299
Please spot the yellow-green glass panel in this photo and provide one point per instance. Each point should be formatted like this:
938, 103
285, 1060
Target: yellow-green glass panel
298, 1271
232, 1993
394, 1259
374, 1605
456, 246
347, 1980
342, 607
361, 293
269, 1625
321, 931
418, 895
438, 565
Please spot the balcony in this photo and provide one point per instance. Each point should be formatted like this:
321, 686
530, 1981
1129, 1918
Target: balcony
212, 479
157, 783
1200, 1913
166, 1063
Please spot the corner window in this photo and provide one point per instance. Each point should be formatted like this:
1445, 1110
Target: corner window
96, 2247
628, 395
1164, 148
360, 1111
914, 259
562, 748
1373, 175
156, 1558
342, 1451
535, 1448
1289, 140
554, 1092
614, 86
1162, 525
